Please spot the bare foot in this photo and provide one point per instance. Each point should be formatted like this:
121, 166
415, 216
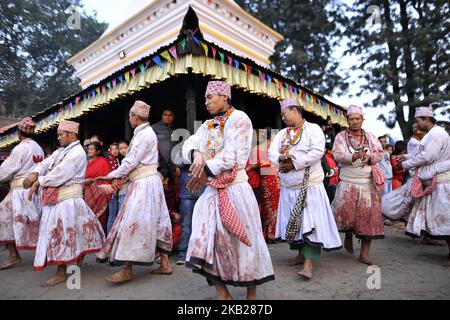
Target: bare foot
123, 275
163, 270
307, 275
8, 263
348, 244
431, 242
251, 293
56, 279
80, 261
368, 261
296, 261
220, 297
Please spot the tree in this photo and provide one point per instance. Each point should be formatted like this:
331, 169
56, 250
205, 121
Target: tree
406, 58
35, 42
311, 29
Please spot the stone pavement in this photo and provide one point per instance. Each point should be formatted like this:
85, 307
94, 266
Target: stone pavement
409, 270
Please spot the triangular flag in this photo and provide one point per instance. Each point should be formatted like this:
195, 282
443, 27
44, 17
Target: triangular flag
142, 68
230, 60
183, 44
97, 90
214, 51
280, 84
147, 63
114, 82
236, 64
205, 48
127, 76
245, 67
133, 72
104, 89
249, 70
158, 61
108, 85
120, 78
196, 40
77, 99
269, 78
222, 56
295, 90
93, 93
166, 55
263, 76
173, 52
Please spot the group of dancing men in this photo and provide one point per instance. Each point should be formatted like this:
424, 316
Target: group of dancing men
45, 210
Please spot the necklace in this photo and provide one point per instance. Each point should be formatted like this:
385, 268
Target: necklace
362, 141
216, 127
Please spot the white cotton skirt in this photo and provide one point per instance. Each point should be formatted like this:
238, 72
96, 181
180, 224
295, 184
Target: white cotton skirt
68, 230
218, 255
141, 227
318, 227
431, 214
20, 219
397, 204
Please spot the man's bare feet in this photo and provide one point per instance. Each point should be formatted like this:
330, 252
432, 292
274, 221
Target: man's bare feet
306, 272
428, 241
163, 270
225, 297
251, 293
165, 267
123, 275
56, 279
368, 261
348, 244
11, 261
296, 261
80, 261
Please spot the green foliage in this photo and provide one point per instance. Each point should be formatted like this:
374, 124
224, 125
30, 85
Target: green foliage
406, 61
35, 43
311, 28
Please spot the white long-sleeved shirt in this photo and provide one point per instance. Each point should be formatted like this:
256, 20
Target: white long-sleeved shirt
22, 160
66, 166
237, 143
432, 155
308, 153
143, 150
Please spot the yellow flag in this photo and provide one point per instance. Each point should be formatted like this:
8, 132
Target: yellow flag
205, 47
127, 76
166, 55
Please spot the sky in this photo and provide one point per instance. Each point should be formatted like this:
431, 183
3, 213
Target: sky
113, 12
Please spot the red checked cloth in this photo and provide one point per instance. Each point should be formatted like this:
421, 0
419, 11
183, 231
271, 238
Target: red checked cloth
227, 212
417, 190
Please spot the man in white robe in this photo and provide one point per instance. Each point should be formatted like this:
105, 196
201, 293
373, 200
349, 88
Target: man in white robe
20, 218
430, 214
227, 244
298, 150
142, 225
69, 229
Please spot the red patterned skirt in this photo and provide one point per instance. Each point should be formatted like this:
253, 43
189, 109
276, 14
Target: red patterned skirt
270, 195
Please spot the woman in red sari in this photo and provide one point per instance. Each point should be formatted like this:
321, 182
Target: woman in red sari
270, 189
97, 166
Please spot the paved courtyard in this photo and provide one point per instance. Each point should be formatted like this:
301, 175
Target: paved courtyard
409, 270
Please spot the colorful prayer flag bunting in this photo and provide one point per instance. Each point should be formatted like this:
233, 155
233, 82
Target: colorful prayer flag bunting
166, 56
173, 52
157, 60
